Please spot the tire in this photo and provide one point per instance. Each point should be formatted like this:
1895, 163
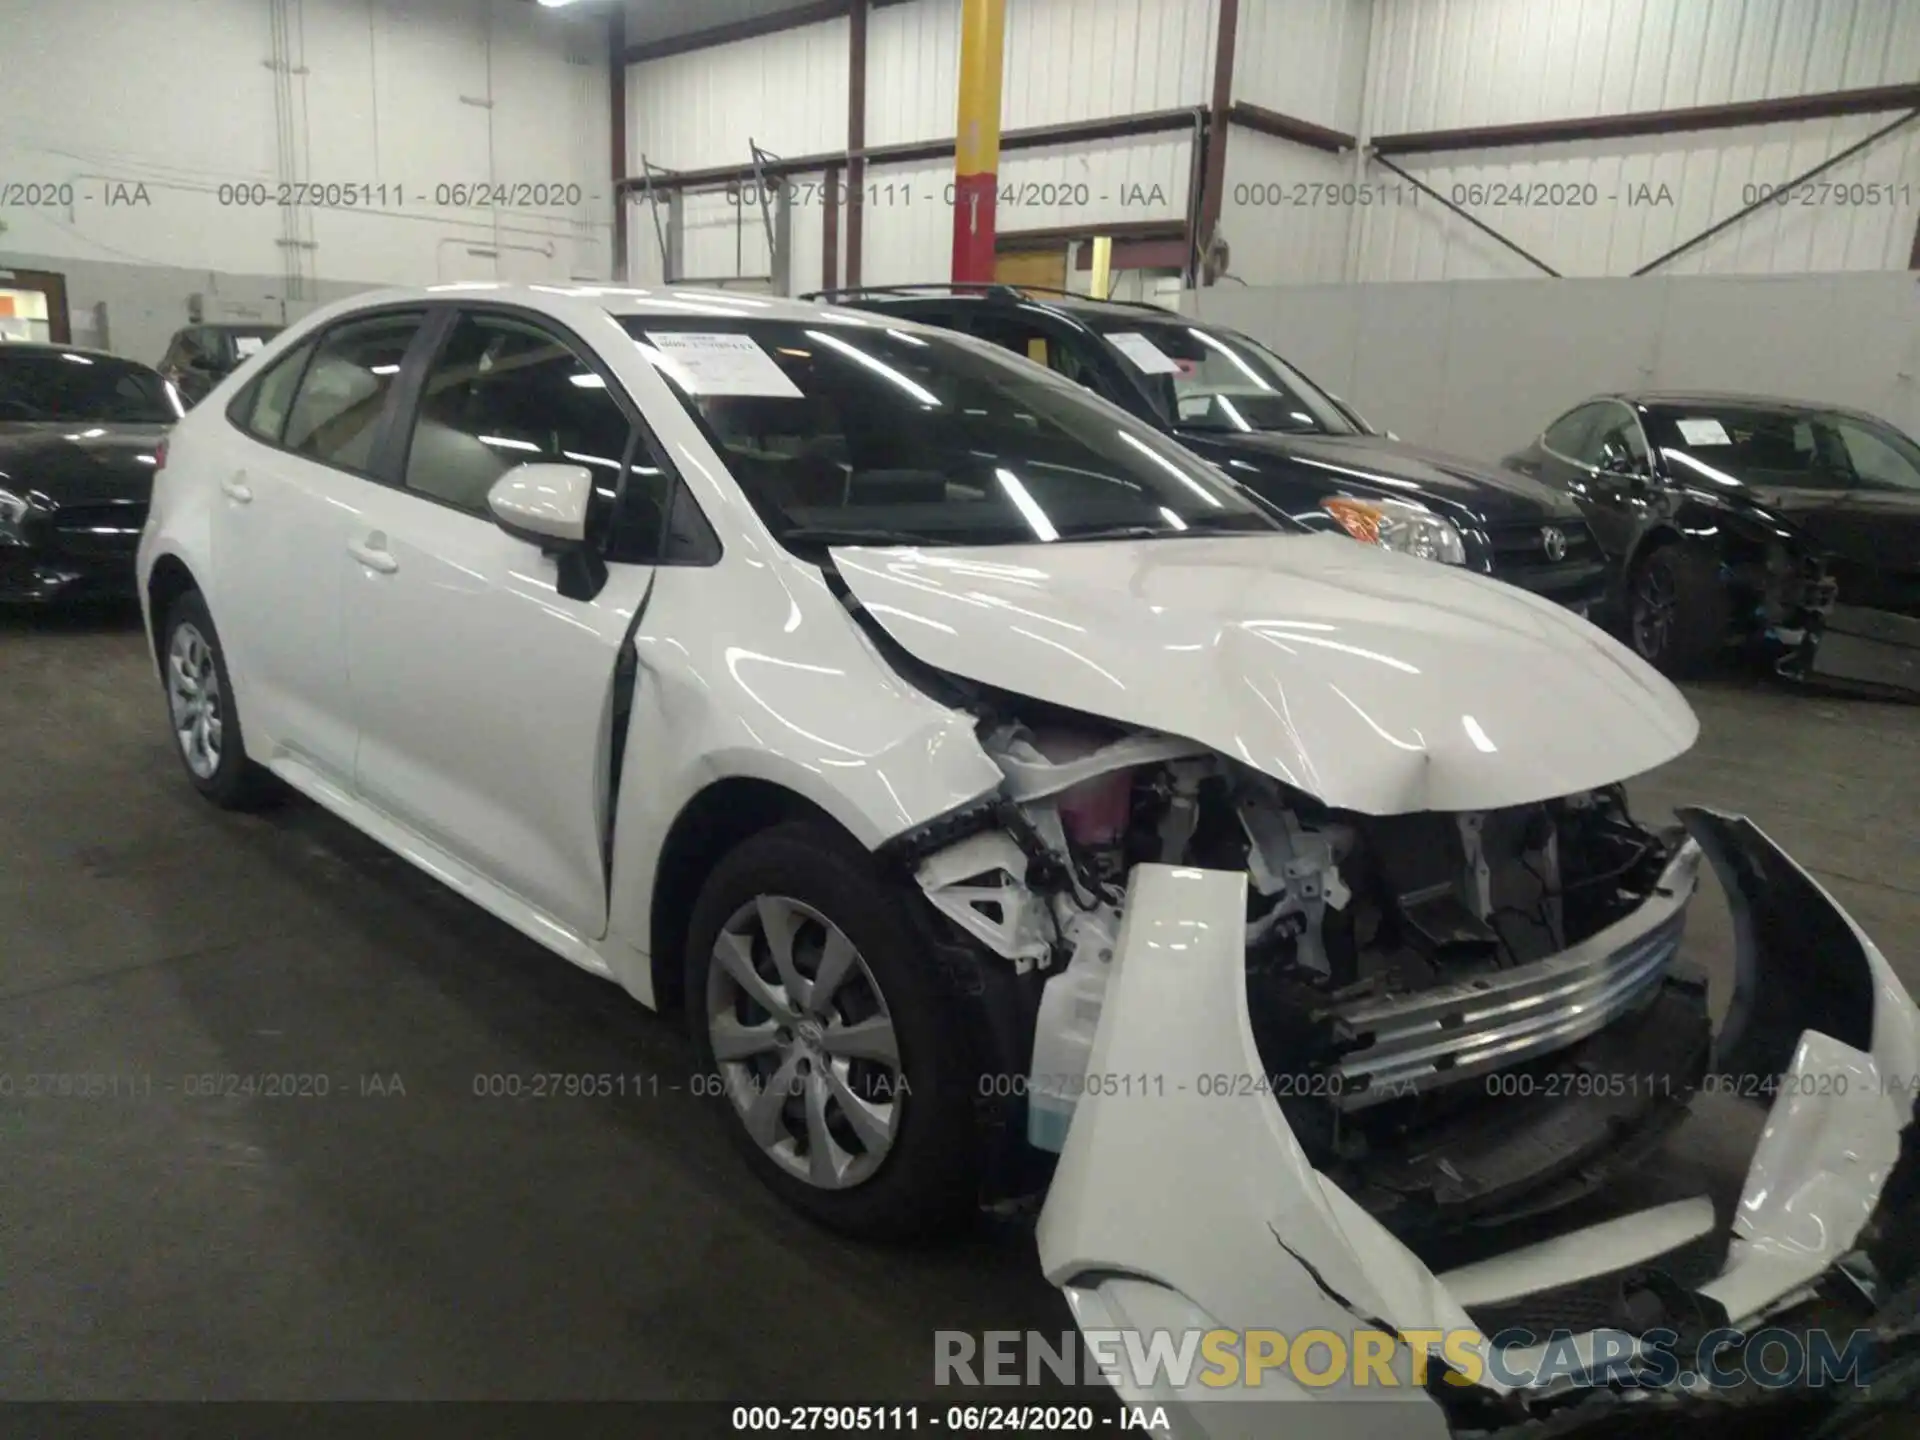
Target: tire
1678, 615
193, 673
911, 1167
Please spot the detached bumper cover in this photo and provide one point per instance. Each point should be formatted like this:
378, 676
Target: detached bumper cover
1872, 647
1176, 1207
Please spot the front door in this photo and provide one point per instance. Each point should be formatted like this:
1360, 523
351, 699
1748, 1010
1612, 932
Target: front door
484, 697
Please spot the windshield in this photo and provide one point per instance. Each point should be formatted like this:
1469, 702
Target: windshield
848, 432
1199, 378
62, 385
1794, 449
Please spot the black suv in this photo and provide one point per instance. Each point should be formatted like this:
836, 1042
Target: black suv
1299, 449
201, 356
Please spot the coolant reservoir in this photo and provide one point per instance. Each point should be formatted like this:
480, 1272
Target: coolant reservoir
1063, 1037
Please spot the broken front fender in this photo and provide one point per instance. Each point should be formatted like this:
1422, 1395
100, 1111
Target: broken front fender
1184, 1202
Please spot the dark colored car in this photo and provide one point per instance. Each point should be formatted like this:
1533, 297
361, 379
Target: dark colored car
1737, 520
1299, 449
201, 356
79, 438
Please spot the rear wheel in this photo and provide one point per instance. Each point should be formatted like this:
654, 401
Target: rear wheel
817, 1014
1678, 614
205, 722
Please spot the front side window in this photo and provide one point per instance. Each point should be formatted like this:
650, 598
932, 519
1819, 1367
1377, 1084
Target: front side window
840, 432
504, 393
1795, 449
64, 386
1200, 378
336, 414
1616, 442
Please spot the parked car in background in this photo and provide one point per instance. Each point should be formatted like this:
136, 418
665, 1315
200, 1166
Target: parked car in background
80, 432
1742, 520
201, 356
1236, 403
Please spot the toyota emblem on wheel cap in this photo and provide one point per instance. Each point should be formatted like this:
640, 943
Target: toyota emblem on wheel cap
1554, 541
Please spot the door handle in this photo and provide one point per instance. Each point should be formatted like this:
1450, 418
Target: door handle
235, 487
373, 554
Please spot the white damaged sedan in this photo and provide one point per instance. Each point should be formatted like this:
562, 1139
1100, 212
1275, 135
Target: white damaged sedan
1018, 807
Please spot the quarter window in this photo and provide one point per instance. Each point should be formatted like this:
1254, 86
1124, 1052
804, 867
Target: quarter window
273, 395
1567, 436
336, 414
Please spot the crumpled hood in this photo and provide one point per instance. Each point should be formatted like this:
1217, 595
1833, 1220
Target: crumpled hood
80, 462
1374, 681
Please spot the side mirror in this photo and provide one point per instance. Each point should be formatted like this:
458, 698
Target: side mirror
546, 505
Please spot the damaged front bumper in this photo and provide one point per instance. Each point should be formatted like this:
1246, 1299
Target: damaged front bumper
1185, 1208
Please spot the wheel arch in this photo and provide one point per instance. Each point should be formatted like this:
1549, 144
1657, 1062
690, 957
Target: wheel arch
168, 581
715, 820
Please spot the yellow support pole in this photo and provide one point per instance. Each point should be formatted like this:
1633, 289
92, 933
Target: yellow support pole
1102, 282
976, 153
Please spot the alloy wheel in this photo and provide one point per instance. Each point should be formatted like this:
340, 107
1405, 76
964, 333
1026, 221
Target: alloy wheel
1656, 602
805, 1044
193, 698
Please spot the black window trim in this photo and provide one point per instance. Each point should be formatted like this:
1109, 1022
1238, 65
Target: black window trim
409, 390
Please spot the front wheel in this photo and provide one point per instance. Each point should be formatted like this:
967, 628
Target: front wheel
205, 722
1678, 614
818, 1018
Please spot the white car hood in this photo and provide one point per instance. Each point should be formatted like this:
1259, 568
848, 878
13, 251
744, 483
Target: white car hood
1374, 681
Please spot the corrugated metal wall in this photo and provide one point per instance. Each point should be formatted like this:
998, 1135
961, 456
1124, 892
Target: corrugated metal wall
787, 92
1305, 58
1607, 207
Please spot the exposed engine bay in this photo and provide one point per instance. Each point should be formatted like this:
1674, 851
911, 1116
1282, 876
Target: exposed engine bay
1444, 1004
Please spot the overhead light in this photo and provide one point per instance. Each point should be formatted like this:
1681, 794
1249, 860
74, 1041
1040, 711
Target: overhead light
555, 4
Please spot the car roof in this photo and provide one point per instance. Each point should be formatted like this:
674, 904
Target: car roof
236, 325
1079, 306
44, 347
1706, 399
664, 301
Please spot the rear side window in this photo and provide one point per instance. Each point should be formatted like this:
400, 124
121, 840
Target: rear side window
336, 413
272, 397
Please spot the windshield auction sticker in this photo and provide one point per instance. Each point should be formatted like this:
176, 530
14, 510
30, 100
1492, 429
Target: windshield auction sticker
1707, 431
1144, 353
712, 363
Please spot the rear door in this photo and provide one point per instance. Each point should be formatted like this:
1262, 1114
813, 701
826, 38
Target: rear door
293, 487
485, 698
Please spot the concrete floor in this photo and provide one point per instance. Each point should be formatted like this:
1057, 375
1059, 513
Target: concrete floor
439, 1244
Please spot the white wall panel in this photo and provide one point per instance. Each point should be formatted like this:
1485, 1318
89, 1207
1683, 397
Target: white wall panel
902, 243
1064, 60
1446, 63
1479, 367
1608, 207
1305, 58
177, 96
786, 92
907, 232
1288, 211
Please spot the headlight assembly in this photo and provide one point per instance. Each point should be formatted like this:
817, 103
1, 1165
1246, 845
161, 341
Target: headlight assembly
1399, 525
